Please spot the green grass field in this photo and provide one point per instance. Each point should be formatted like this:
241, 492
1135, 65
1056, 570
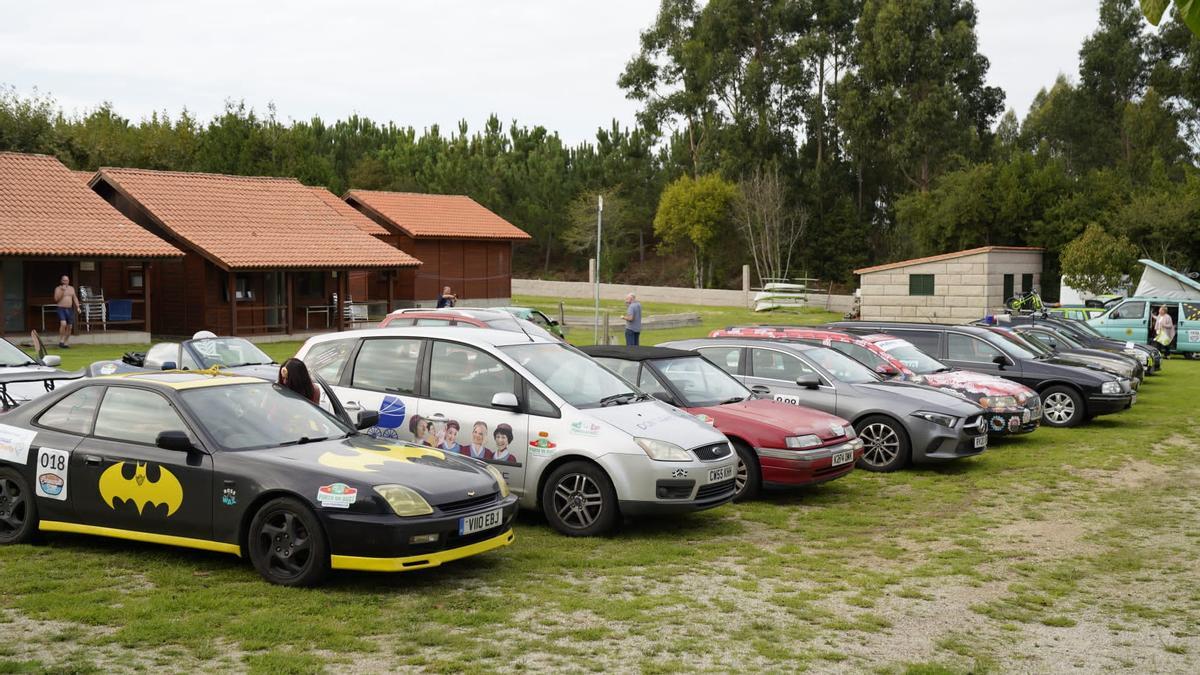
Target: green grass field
1062, 550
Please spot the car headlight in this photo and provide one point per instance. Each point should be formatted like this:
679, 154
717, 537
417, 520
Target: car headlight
663, 451
937, 418
499, 479
1112, 387
850, 432
404, 501
806, 441
998, 402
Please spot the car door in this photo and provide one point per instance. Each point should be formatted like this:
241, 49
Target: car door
1187, 330
383, 374
458, 412
61, 428
773, 372
971, 353
120, 479
1126, 321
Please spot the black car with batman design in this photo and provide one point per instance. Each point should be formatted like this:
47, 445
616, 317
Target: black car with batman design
238, 465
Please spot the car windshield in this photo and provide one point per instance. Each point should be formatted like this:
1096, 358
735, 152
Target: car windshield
11, 355
914, 359
260, 415
700, 382
581, 381
1016, 346
228, 352
1087, 328
841, 366
1066, 339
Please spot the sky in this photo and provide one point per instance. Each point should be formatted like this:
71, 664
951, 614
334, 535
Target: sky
414, 62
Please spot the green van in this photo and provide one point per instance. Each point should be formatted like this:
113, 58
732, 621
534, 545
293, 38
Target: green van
1161, 286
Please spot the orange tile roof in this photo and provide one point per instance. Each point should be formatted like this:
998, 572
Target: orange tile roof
85, 176
350, 213
945, 256
445, 216
46, 211
248, 222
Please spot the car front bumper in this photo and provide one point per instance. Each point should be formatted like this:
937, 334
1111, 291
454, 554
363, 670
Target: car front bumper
935, 443
792, 468
645, 486
1106, 404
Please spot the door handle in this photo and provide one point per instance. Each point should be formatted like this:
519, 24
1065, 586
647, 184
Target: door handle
93, 460
760, 389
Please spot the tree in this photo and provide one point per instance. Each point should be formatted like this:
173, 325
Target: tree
1095, 262
768, 225
1187, 11
620, 236
695, 213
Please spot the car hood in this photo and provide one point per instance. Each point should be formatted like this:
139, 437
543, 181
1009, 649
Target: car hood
923, 396
269, 372
976, 386
657, 420
1098, 364
774, 417
438, 476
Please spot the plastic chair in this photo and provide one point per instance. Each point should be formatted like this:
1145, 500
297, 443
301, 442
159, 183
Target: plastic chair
120, 310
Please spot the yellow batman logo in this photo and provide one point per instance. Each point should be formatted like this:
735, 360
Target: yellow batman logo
140, 490
368, 461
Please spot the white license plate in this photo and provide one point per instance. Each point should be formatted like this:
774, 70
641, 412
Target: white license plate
794, 400
981, 441
723, 473
480, 522
1134, 399
840, 458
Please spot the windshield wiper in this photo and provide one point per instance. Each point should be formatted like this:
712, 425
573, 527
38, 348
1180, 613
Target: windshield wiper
944, 369
304, 439
620, 399
735, 399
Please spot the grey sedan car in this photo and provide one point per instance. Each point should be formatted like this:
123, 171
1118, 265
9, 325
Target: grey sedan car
898, 422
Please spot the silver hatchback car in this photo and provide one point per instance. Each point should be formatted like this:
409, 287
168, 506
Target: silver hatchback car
898, 422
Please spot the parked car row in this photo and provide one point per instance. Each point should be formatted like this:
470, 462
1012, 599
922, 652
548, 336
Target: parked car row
428, 438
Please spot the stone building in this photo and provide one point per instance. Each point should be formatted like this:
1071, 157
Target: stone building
949, 288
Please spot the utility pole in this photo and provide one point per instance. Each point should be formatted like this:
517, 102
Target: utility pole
599, 229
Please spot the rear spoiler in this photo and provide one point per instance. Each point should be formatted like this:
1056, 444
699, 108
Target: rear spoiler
7, 402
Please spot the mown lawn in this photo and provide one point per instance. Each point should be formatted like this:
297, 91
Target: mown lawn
1062, 550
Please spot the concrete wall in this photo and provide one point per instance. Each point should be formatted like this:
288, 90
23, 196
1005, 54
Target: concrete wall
688, 296
965, 288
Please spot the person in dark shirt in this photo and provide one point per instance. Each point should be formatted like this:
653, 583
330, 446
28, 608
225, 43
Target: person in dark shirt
446, 299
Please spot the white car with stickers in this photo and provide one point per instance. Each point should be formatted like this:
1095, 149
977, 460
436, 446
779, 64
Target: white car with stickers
571, 438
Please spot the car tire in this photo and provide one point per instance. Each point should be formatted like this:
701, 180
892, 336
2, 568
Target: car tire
886, 446
287, 545
748, 475
18, 509
578, 500
1063, 407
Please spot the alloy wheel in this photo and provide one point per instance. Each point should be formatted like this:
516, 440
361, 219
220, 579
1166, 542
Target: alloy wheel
1059, 408
881, 444
578, 500
12, 508
287, 542
740, 478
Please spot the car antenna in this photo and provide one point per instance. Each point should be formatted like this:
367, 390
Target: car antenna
523, 329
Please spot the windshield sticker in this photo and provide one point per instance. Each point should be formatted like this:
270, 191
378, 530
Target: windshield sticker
706, 419
542, 445
337, 496
585, 428
108, 369
889, 345
52, 469
14, 443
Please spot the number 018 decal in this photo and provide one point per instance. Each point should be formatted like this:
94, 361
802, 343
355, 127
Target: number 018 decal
51, 473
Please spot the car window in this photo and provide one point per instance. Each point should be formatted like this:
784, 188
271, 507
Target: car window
626, 369
398, 321
859, 353
387, 364
841, 366
967, 348
1038, 337
1129, 310
161, 353
436, 322
258, 415
326, 359
775, 365
229, 352
699, 382
566, 371
648, 383
74, 413
463, 374
539, 404
927, 341
726, 358
135, 416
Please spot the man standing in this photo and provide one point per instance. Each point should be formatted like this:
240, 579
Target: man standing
68, 305
633, 320
446, 299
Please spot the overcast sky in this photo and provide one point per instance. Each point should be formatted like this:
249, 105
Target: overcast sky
415, 62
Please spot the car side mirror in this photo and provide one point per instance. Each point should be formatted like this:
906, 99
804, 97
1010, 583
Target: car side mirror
1053, 345
174, 440
665, 398
505, 399
53, 360
168, 365
1000, 360
367, 419
809, 380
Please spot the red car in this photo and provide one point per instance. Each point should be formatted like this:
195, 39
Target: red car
777, 444
1012, 408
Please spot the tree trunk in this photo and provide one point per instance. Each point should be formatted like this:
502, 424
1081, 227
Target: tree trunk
641, 245
546, 267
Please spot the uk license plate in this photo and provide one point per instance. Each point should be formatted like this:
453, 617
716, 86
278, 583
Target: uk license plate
723, 473
480, 522
844, 457
981, 441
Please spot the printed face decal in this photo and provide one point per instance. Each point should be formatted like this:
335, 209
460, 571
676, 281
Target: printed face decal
139, 489
370, 461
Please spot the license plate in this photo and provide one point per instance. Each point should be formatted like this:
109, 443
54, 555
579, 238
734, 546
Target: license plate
480, 522
981, 441
720, 474
840, 458
794, 400
1134, 399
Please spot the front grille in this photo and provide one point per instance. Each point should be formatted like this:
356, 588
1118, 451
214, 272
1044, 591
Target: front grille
710, 452
974, 425
713, 490
468, 503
